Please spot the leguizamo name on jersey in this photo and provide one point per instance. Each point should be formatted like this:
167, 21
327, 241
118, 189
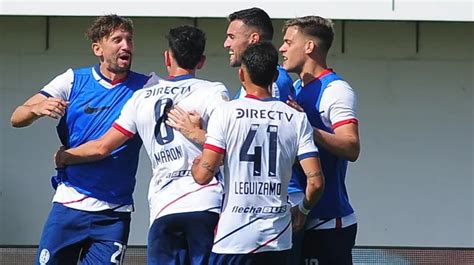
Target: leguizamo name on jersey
263, 114
168, 90
257, 188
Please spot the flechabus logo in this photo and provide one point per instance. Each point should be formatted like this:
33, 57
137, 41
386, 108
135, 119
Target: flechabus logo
259, 209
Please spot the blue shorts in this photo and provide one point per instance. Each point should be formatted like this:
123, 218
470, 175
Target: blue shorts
70, 235
261, 258
182, 238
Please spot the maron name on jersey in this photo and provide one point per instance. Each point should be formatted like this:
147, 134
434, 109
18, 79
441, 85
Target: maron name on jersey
173, 90
168, 155
263, 114
257, 188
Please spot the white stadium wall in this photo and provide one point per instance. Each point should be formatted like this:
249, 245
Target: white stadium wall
424, 10
412, 185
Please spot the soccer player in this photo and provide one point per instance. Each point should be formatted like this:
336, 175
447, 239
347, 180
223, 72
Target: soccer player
183, 214
90, 216
329, 103
251, 26
259, 138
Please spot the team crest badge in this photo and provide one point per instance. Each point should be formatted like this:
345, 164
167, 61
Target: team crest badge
44, 256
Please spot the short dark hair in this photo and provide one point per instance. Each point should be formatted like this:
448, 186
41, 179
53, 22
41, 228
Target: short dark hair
256, 18
314, 26
105, 25
260, 60
187, 44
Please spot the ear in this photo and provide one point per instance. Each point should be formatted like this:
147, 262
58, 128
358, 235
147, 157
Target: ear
310, 46
201, 62
241, 75
167, 57
97, 49
254, 37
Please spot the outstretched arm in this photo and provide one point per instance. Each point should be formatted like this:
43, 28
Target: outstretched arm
38, 106
92, 150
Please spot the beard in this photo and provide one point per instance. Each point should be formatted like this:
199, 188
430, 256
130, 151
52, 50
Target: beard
117, 69
236, 62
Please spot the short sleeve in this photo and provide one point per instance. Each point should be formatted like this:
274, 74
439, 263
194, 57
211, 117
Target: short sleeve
126, 122
339, 104
215, 136
60, 86
219, 95
306, 146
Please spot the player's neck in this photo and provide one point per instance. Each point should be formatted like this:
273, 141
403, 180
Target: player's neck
311, 71
257, 91
111, 75
178, 71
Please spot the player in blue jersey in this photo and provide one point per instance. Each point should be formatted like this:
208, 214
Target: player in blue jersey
250, 26
90, 217
183, 214
329, 103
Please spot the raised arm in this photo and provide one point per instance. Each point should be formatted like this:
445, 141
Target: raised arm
92, 150
35, 107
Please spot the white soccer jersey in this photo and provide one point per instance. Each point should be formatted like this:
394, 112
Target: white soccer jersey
172, 187
261, 140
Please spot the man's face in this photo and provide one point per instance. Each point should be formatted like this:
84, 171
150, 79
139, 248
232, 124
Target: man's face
116, 51
293, 50
237, 41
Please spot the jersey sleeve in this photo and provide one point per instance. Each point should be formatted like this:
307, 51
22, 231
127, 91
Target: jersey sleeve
60, 86
216, 98
126, 121
339, 104
153, 79
215, 136
306, 146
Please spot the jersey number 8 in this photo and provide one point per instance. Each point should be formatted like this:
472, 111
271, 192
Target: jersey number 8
163, 133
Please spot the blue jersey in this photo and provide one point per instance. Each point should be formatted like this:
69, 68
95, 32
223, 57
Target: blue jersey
329, 102
92, 110
281, 88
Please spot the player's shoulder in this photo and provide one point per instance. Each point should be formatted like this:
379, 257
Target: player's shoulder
283, 73
152, 80
283, 76
338, 89
210, 85
211, 89
339, 84
84, 70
